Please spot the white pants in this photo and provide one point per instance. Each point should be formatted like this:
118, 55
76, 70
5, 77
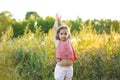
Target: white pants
63, 72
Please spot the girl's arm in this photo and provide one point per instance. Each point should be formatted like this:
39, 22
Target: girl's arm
63, 24
55, 26
60, 21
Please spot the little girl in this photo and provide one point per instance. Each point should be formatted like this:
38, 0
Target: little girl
65, 55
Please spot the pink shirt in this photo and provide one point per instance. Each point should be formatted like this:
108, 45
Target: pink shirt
64, 49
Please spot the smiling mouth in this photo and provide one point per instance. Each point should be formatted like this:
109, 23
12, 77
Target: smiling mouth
64, 38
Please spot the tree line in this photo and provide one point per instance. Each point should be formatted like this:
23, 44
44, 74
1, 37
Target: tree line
33, 20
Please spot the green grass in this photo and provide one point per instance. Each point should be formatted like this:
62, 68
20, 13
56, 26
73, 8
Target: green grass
32, 56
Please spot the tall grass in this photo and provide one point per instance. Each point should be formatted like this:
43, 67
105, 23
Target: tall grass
32, 56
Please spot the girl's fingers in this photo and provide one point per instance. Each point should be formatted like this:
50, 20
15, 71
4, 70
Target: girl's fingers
57, 15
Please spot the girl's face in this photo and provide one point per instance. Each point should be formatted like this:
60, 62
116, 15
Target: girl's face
63, 35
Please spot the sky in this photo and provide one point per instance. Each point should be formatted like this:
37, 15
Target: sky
68, 9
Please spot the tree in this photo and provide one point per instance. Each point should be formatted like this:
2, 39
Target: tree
32, 14
5, 21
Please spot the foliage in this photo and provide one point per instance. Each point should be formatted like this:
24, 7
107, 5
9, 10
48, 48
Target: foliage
5, 21
32, 56
27, 50
33, 19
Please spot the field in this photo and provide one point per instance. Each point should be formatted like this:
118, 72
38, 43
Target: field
32, 56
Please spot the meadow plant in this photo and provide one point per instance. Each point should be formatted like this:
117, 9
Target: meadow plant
32, 56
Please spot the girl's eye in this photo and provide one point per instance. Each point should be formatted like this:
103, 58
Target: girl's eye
61, 33
65, 33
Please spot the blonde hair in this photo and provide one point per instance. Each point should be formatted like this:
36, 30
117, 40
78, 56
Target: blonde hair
60, 28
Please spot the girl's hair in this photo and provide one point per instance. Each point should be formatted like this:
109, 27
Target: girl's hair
60, 28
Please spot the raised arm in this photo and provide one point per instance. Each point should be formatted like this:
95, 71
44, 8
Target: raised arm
63, 24
57, 21
55, 26
60, 21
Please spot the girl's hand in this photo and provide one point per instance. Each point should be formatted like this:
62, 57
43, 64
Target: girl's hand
58, 18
